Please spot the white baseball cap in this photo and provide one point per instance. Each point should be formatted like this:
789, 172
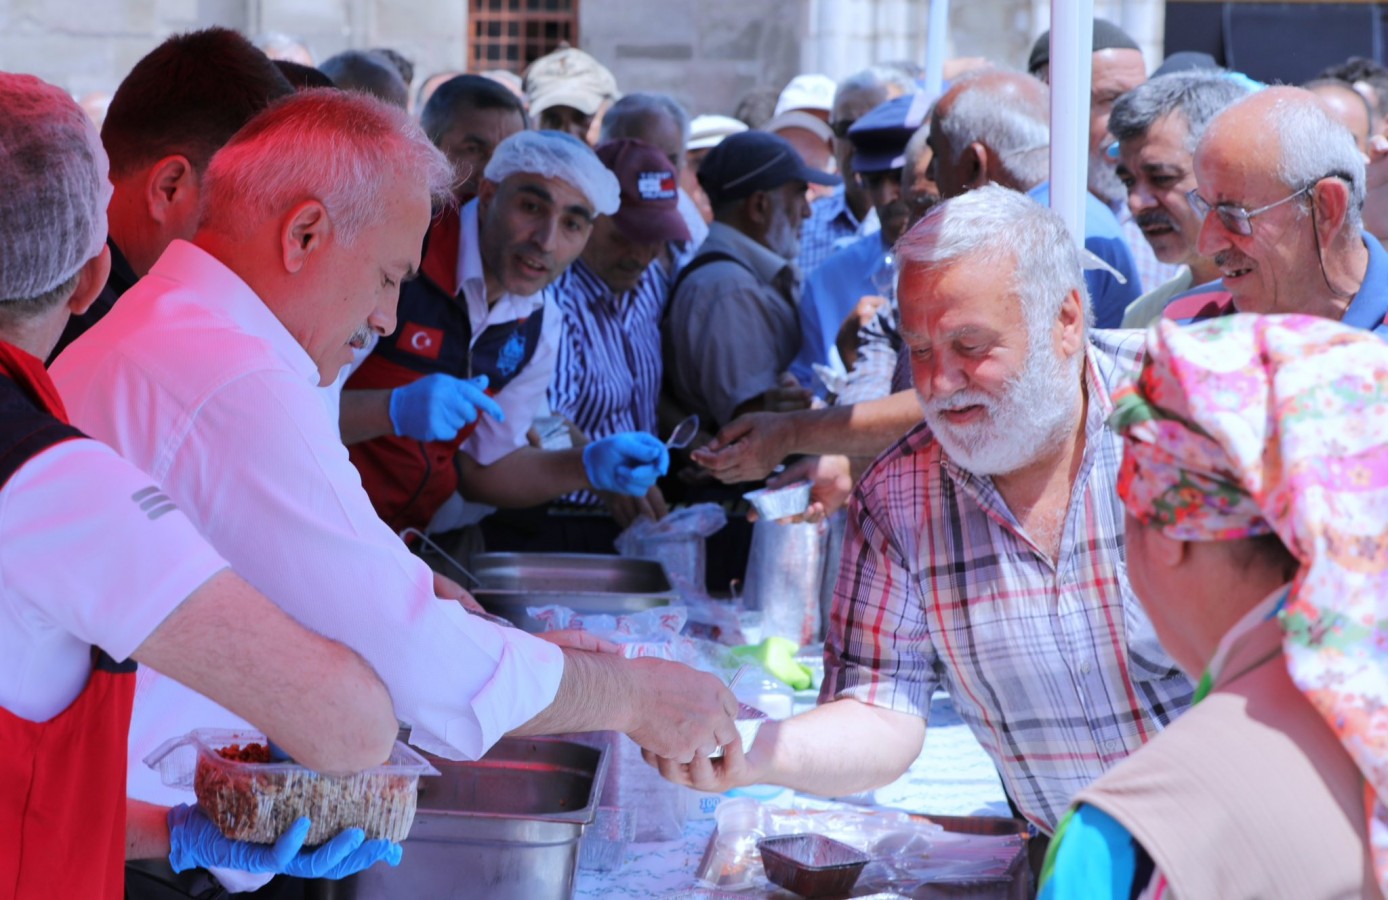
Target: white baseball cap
709, 131
807, 92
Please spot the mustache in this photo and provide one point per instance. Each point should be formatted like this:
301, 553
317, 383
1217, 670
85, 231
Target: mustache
1227, 256
960, 400
1155, 217
538, 254
360, 337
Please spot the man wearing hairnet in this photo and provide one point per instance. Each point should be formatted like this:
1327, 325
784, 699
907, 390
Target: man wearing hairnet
450, 395
100, 570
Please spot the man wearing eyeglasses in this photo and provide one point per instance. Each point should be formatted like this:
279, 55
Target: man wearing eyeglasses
1282, 215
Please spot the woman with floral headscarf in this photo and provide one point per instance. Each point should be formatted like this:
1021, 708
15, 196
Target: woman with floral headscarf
1255, 477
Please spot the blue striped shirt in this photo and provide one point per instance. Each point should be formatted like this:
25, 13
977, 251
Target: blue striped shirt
607, 377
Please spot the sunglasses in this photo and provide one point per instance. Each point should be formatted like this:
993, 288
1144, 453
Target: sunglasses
1238, 219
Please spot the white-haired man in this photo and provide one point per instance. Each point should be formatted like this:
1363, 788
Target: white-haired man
444, 402
1158, 125
993, 129
984, 552
1283, 215
314, 216
100, 570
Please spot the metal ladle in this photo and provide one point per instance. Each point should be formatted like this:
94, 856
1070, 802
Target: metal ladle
476, 582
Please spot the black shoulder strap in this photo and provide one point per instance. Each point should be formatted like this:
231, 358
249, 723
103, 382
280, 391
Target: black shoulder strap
698, 262
25, 429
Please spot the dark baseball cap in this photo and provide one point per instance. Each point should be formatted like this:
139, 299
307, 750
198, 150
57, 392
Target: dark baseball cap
880, 137
650, 192
754, 161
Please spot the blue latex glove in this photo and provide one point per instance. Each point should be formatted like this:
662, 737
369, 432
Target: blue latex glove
195, 842
438, 406
627, 463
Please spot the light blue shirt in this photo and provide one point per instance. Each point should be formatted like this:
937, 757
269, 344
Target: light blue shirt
830, 294
1104, 238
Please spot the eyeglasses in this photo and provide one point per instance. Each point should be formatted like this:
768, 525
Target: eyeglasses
1236, 218
841, 126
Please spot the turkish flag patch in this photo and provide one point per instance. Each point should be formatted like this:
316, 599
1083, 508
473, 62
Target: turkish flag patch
420, 340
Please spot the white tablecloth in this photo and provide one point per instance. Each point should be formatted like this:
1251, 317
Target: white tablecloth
953, 776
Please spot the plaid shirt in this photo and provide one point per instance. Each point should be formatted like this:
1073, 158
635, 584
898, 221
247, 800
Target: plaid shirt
1054, 665
831, 225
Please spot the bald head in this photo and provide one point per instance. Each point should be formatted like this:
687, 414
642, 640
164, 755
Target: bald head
1280, 149
1346, 106
991, 127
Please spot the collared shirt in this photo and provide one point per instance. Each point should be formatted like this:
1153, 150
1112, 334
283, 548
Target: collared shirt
120, 280
1053, 664
607, 379
1367, 310
1108, 297
831, 293
1150, 270
524, 397
732, 328
194, 380
1148, 308
831, 225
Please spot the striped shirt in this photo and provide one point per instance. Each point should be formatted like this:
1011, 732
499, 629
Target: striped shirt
831, 225
1053, 664
607, 377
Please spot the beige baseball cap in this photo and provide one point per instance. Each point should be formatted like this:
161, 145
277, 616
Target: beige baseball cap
568, 77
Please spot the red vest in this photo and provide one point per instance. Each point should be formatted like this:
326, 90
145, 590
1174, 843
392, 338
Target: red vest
62, 782
408, 480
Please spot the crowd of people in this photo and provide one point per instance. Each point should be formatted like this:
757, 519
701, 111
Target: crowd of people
280, 317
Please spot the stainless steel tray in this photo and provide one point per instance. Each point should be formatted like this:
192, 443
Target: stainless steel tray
505, 827
588, 583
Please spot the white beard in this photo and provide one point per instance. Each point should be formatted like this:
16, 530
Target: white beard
1032, 417
783, 236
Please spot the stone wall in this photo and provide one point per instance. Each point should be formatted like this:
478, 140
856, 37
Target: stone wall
707, 53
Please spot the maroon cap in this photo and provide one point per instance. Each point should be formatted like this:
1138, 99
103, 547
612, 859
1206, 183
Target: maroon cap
650, 192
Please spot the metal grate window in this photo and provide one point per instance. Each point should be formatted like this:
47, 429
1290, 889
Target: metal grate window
511, 34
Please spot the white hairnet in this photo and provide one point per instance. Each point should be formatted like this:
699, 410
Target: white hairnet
56, 187
553, 154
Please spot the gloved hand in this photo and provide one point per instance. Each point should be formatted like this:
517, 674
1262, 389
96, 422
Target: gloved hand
438, 406
194, 841
627, 463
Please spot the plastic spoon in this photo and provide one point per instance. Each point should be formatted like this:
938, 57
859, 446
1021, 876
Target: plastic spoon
684, 433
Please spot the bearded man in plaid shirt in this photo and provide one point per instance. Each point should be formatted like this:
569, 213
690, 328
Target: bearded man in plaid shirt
984, 552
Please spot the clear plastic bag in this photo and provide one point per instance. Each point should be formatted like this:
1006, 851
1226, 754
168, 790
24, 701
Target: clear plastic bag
677, 542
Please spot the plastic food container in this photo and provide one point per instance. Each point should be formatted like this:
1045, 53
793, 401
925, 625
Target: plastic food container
257, 802
778, 503
811, 865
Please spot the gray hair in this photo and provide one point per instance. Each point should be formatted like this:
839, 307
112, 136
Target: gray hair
918, 144
336, 146
994, 226
1198, 95
624, 118
875, 77
1012, 125
1314, 145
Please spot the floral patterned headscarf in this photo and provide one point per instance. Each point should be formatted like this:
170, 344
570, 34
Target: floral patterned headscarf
1247, 425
